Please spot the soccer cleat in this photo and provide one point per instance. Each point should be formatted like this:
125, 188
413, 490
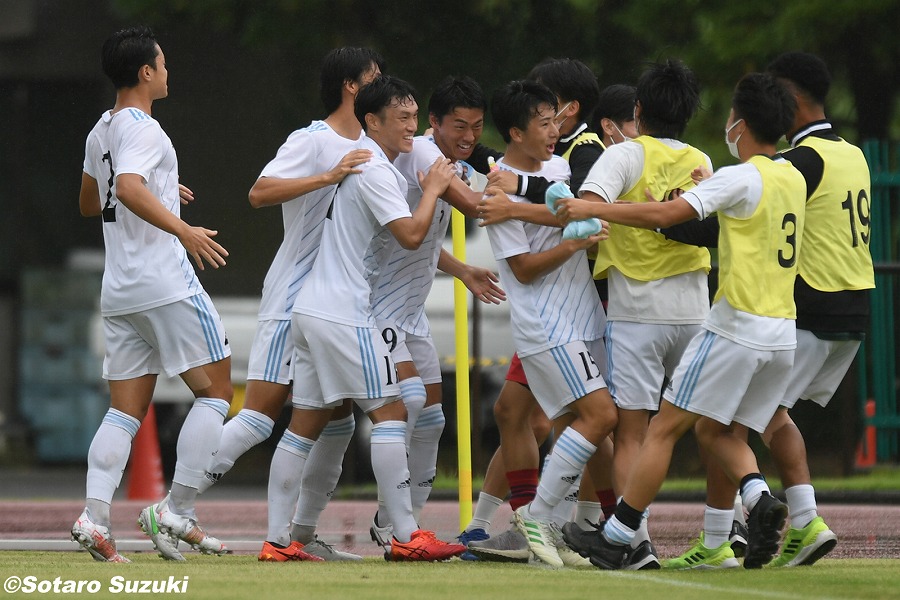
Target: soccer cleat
582, 541
700, 557
96, 539
326, 552
294, 552
422, 546
642, 558
509, 546
738, 538
569, 557
539, 536
475, 535
381, 535
803, 547
186, 529
165, 544
764, 525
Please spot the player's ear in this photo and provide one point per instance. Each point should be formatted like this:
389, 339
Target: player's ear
516, 134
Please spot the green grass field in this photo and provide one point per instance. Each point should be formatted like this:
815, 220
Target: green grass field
244, 577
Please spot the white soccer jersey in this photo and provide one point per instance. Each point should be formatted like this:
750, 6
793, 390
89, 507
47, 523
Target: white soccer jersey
559, 307
355, 243
145, 266
314, 149
404, 283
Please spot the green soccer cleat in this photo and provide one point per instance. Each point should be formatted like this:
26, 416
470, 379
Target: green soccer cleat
700, 557
803, 547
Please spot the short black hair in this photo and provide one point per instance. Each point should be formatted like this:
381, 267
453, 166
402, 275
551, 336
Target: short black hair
765, 105
456, 92
616, 104
516, 103
125, 52
570, 79
342, 65
669, 93
806, 71
381, 93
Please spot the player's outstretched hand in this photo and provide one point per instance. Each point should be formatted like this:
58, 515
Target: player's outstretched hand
348, 165
503, 179
185, 193
494, 207
483, 283
439, 176
199, 243
574, 209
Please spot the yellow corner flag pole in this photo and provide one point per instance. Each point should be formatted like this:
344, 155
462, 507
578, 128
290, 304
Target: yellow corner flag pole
463, 410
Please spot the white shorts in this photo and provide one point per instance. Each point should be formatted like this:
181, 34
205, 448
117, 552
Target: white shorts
172, 338
333, 362
641, 356
271, 352
407, 347
561, 375
425, 356
819, 368
728, 382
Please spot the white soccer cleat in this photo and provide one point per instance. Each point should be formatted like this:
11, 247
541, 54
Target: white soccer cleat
96, 539
327, 552
165, 544
539, 536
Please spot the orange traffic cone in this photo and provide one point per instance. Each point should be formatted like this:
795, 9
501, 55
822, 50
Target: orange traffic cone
145, 476
866, 453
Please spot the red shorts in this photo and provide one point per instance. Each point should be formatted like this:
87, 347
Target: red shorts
516, 373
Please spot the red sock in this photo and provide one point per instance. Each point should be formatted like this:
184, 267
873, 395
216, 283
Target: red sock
607, 502
522, 486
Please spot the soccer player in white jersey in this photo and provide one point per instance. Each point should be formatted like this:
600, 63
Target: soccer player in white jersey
456, 114
301, 179
556, 315
736, 370
156, 315
339, 352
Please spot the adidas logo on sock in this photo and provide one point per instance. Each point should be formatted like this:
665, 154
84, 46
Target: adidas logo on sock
403, 485
570, 479
214, 477
427, 484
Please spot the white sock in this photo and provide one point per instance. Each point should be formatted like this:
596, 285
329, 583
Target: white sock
247, 429
565, 510
320, 476
716, 526
284, 484
642, 533
801, 500
107, 459
752, 490
413, 393
588, 512
617, 532
423, 453
392, 474
570, 453
739, 514
198, 441
485, 509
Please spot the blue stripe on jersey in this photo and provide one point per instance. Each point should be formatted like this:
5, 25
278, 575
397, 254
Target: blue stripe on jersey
316, 126
370, 363
576, 386
213, 343
692, 374
276, 351
138, 115
610, 365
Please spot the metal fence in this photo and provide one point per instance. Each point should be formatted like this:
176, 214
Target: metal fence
878, 366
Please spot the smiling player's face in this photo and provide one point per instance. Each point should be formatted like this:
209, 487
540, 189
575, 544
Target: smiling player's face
398, 127
539, 138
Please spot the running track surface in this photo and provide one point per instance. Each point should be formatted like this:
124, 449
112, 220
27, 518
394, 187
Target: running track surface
864, 531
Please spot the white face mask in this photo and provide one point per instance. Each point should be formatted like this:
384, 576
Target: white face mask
625, 138
732, 146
